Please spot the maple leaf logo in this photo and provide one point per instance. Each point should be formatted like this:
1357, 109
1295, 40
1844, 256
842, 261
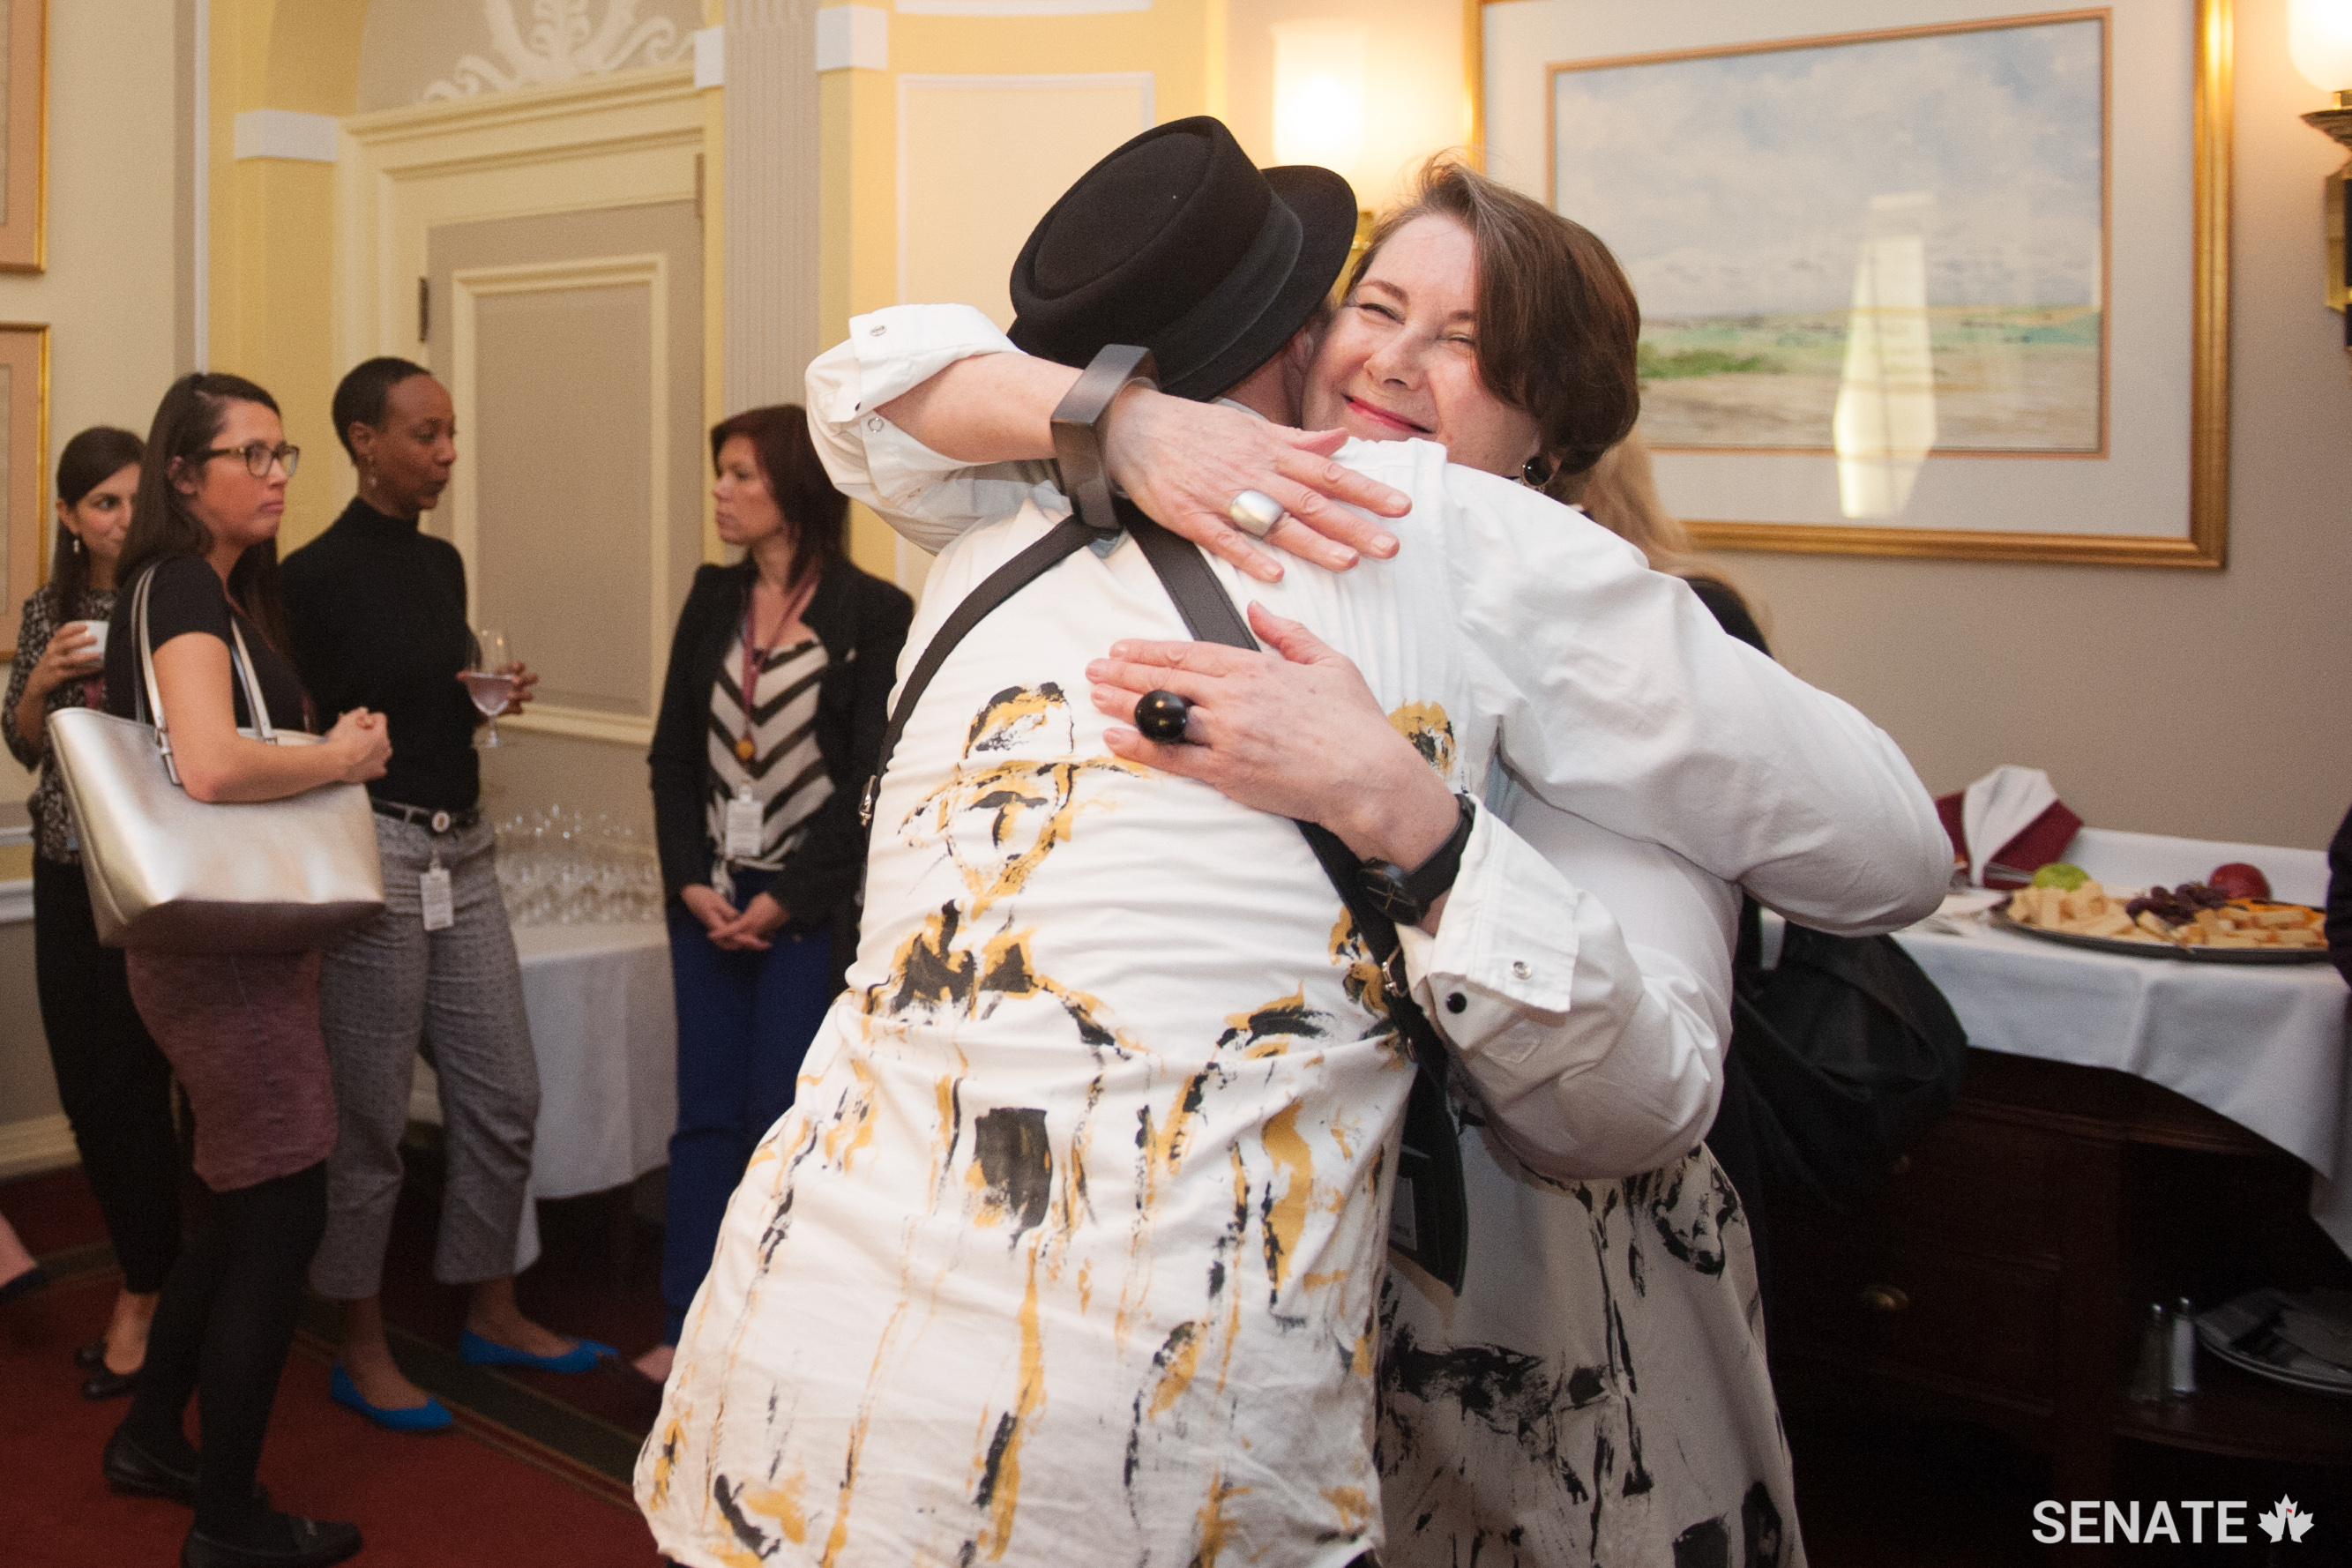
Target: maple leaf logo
2285, 1518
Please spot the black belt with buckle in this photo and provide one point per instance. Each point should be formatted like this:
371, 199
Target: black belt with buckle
435, 822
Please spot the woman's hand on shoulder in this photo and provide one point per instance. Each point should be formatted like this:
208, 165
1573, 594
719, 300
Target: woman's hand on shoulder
1295, 732
362, 744
1183, 463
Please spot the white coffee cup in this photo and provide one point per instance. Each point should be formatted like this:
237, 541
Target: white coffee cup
98, 636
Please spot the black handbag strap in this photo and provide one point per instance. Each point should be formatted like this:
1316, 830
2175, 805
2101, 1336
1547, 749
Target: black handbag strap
1431, 1220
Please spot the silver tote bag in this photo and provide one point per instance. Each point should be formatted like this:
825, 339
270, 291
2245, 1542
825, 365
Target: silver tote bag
173, 873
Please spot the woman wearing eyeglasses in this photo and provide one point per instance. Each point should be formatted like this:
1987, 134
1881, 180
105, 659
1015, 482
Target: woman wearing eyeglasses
240, 1030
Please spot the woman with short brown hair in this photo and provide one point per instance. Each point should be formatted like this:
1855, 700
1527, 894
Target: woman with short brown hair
772, 718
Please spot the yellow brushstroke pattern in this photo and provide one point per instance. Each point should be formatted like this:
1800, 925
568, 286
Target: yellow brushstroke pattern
1006, 1500
666, 1457
1354, 1508
1286, 1220
1178, 1377
782, 1504
1431, 732
1216, 1530
838, 1537
854, 1130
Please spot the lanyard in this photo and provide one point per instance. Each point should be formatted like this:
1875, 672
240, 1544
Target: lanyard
754, 657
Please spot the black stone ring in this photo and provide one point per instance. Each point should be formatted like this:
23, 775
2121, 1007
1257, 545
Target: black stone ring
1161, 715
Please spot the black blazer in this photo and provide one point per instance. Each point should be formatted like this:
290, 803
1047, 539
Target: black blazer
862, 621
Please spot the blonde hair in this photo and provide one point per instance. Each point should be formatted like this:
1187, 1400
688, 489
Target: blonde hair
1620, 494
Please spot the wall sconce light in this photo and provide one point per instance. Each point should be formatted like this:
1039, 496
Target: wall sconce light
1319, 95
2319, 37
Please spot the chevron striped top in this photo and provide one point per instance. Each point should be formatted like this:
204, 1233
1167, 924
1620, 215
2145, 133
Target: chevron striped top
786, 772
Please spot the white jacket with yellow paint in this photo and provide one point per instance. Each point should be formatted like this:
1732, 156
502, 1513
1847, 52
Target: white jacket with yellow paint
1581, 972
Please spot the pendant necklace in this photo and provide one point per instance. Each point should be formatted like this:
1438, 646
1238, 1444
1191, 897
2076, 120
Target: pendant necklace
754, 657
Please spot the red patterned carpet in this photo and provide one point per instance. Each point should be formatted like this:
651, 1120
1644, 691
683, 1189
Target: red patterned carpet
482, 1494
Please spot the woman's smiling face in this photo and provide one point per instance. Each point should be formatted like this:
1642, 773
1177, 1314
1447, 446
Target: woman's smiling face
1401, 358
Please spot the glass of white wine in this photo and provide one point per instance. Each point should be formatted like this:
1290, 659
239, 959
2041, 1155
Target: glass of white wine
490, 681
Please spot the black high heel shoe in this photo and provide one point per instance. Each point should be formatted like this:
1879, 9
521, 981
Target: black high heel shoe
108, 1384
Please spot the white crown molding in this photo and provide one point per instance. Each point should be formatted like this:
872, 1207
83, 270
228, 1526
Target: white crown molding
37, 1143
286, 134
618, 92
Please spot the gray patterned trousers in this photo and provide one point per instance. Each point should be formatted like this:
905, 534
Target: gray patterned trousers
390, 989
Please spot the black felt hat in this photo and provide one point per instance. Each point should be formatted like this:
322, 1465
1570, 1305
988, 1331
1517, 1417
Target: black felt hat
1178, 243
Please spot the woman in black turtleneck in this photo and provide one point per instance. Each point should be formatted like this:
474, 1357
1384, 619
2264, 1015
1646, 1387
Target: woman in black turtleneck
377, 607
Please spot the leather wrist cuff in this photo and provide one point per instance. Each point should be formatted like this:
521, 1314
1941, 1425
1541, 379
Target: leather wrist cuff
1078, 429
1405, 896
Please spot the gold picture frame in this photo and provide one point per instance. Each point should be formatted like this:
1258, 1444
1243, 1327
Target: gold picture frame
2201, 494
25, 466
23, 136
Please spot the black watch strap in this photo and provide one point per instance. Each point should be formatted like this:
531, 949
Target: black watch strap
1405, 896
1078, 429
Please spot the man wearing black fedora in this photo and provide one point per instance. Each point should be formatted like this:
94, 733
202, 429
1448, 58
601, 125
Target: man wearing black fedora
1071, 1248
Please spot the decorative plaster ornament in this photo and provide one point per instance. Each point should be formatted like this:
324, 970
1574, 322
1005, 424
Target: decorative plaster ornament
564, 44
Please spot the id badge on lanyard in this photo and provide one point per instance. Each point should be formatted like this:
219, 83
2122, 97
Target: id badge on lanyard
747, 821
432, 894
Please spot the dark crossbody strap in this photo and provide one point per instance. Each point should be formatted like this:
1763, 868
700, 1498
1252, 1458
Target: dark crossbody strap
1066, 537
1429, 1222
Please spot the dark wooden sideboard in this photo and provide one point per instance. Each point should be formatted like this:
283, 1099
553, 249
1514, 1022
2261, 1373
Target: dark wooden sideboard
2004, 1274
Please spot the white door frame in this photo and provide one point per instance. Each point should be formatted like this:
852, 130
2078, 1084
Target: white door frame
630, 139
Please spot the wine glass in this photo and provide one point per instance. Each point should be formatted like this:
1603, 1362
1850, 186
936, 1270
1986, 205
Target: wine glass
490, 681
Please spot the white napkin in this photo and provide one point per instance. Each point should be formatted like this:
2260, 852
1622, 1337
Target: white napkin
1998, 807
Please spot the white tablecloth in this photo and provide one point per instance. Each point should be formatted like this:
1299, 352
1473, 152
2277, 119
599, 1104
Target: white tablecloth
604, 1027
2262, 1046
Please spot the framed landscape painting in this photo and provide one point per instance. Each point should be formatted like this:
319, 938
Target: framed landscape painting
1917, 277
24, 466
24, 135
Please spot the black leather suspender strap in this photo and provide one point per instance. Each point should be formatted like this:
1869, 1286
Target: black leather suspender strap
1430, 1223
999, 585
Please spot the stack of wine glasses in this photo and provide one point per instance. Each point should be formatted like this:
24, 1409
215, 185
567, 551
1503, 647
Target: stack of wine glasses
564, 867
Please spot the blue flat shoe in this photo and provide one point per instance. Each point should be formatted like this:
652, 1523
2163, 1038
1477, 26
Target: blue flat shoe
476, 1351
430, 1417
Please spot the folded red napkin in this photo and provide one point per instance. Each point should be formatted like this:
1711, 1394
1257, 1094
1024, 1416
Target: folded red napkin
2043, 840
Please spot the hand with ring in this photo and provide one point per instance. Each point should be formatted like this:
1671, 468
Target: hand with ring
1294, 732
1227, 481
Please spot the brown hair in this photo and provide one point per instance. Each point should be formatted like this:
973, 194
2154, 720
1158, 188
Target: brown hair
89, 460
162, 523
1556, 321
796, 476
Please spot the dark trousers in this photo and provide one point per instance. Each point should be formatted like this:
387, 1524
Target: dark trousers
114, 1084
744, 1023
